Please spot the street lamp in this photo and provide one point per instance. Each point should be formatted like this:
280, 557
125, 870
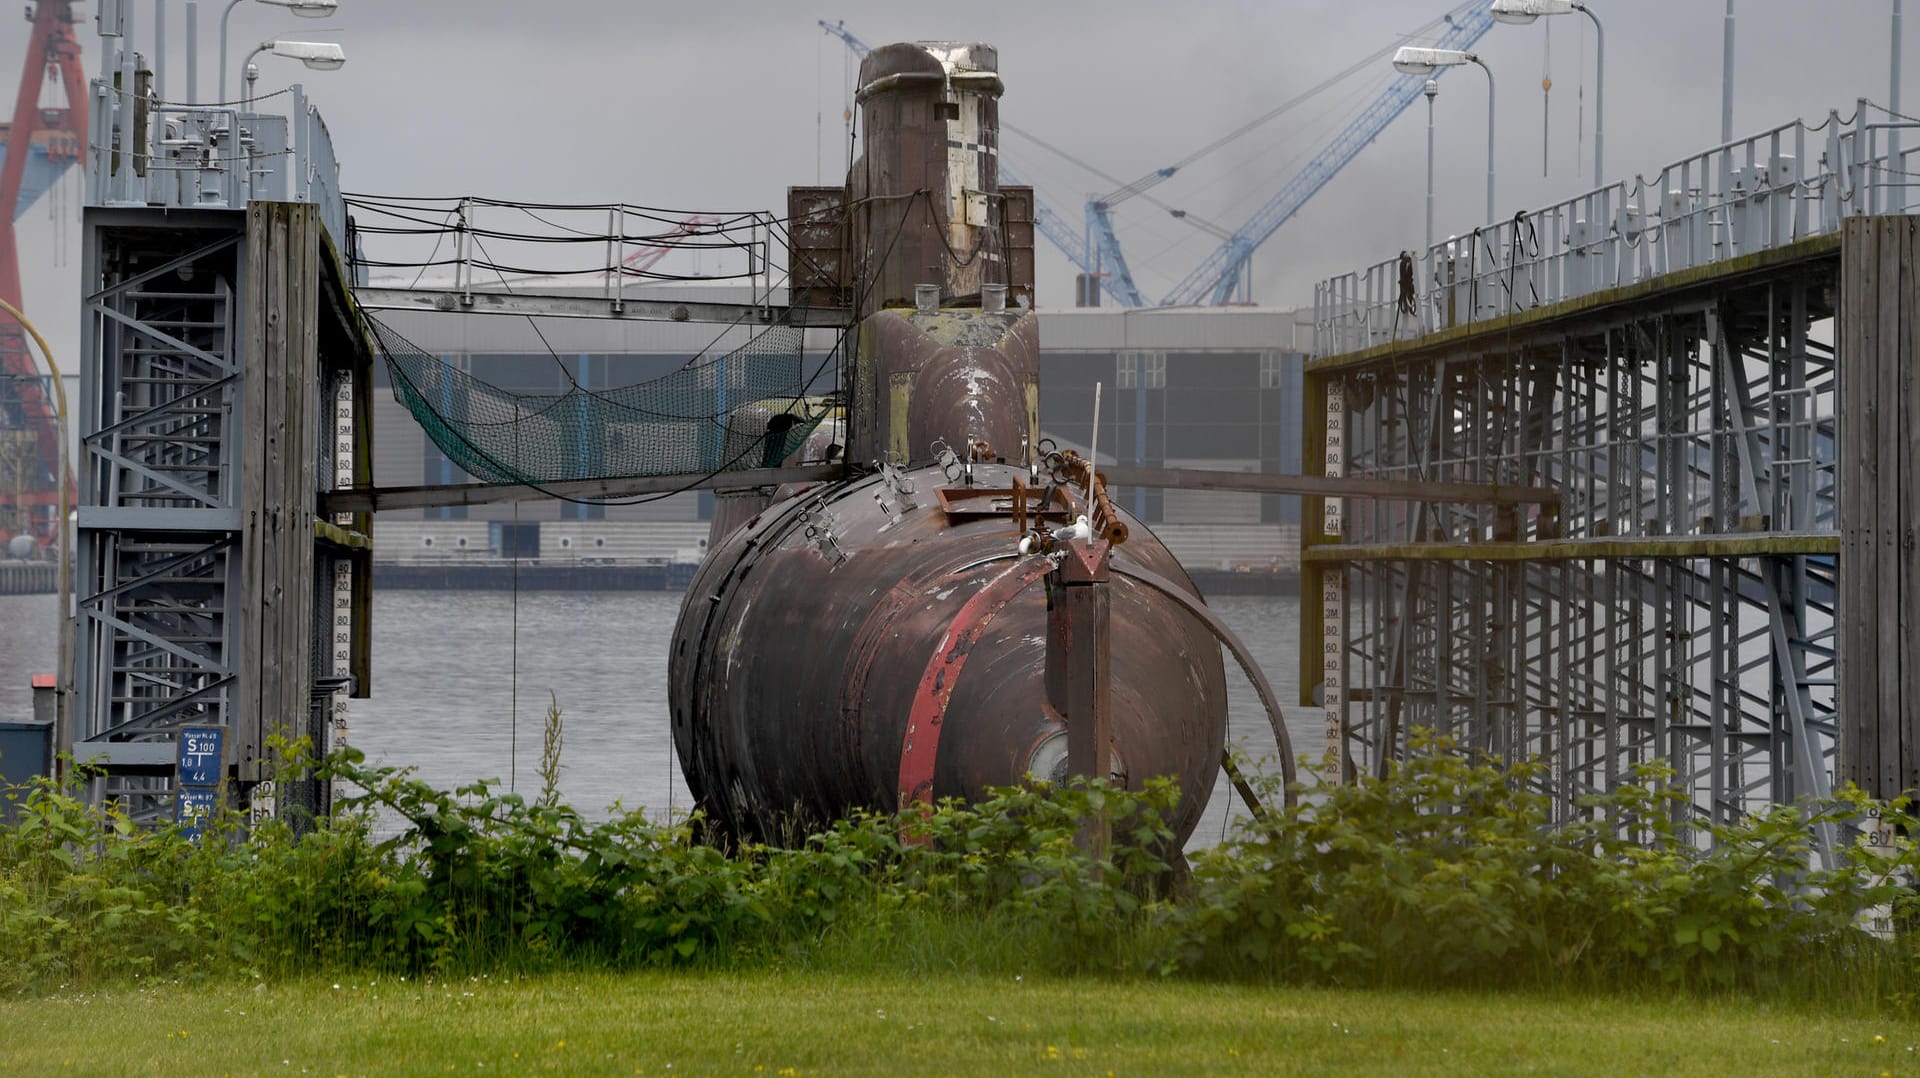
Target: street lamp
306, 9
1522, 12
318, 55
1726, 79
1432, 90
1894, 163
1416, 60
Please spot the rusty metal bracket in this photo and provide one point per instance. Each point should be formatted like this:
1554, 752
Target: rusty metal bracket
1079, 662
903, 488
962, 502
818, 523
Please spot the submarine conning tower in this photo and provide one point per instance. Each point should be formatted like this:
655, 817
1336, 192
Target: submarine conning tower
942, 358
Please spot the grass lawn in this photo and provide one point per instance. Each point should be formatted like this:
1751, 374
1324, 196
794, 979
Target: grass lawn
783, 1024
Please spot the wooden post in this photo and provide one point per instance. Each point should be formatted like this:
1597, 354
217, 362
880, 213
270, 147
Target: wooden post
1879, 461
1079, 635
280, 375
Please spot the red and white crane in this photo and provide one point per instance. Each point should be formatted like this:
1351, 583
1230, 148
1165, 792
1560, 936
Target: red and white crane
40, 144
655, 248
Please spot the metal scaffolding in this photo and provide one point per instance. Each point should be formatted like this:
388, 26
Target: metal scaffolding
1679, 606
225, 383
160, 519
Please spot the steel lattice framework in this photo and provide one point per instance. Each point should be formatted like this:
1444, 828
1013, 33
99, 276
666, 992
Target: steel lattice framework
1678, 609
224, 380
1663, 353
159, 542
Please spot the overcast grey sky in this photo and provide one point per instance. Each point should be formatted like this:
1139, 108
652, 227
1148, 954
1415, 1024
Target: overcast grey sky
717, 105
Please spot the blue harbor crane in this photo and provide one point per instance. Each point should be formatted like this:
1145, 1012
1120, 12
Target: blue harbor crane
1217, 278
1226, 272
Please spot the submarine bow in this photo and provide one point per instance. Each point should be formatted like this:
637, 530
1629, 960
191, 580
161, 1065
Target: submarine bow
905, 634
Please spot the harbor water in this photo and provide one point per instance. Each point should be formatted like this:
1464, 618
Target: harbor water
29, 642
462, 681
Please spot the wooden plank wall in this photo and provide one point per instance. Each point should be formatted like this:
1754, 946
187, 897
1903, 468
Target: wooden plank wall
362, 665
1879, 629
280, 374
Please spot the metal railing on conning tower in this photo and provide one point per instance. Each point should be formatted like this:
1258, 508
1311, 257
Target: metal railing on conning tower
1740, 199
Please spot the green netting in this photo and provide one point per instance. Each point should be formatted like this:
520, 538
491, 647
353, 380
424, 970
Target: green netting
738, 410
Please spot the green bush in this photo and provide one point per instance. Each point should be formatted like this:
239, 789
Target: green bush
80, 893
492, 877
1453, 872
1447, 871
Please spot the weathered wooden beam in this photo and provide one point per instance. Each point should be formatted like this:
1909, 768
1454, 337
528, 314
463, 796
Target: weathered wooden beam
327, 531
280, 358
1322, 486
1682, 546
1878, 745
433, 496
619, 308
376, 499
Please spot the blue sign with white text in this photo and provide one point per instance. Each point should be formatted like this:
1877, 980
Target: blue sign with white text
195, 807
202, 759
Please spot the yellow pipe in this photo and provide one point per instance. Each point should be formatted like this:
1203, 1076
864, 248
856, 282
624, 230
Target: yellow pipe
59, 388
64, 677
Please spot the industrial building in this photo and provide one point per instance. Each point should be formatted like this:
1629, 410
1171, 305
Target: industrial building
1212, 387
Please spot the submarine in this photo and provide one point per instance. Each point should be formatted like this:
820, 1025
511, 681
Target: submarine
911, 632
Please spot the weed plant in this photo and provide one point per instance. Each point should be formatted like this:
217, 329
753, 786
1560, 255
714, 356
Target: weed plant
1446, 872
1454, 872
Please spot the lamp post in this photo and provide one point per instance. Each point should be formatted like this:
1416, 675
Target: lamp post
1895, 180
160, 49
306, 9
193, 52
1432, 91
1416, 60
318, 55
1522, 12
1726, 80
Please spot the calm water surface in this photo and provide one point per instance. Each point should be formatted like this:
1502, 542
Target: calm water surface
461, 681
444, 687
29, 641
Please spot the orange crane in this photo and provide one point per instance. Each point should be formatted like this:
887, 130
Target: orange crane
41, 144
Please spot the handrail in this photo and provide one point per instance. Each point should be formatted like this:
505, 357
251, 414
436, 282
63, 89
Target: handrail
1738, 198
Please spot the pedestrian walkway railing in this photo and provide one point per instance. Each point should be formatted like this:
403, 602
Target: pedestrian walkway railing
1749, 196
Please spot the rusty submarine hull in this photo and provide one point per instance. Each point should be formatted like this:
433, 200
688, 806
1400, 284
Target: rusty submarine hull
909, 633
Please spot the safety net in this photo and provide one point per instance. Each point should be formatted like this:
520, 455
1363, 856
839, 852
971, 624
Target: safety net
741, 409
